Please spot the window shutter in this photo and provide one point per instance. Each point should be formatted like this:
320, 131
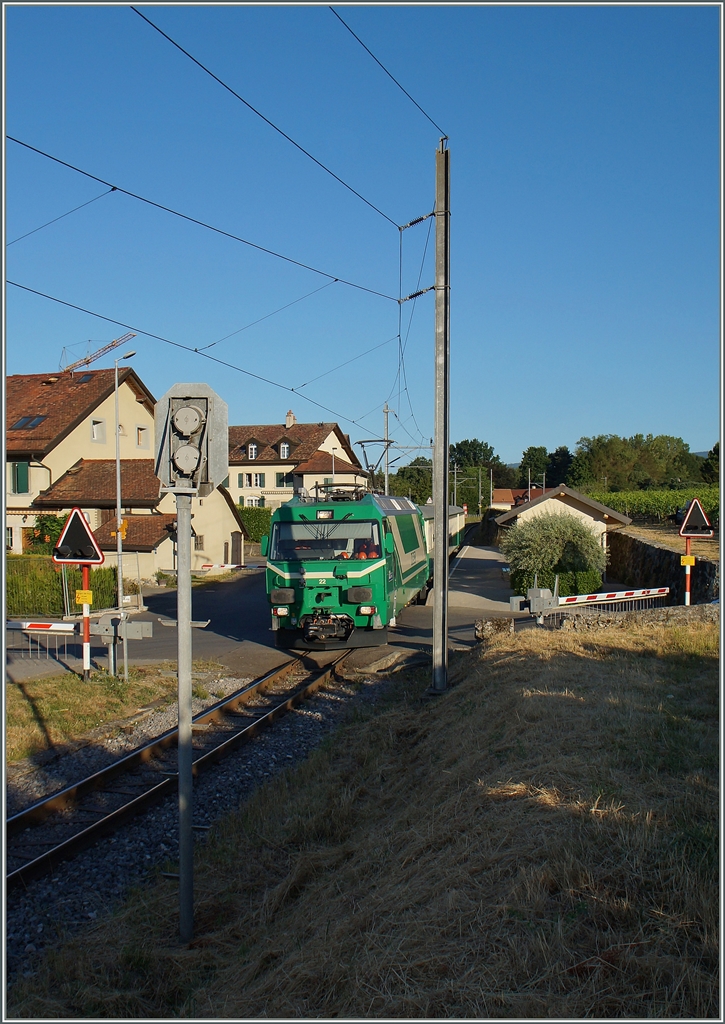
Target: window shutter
240, 479
20, 477
261, 479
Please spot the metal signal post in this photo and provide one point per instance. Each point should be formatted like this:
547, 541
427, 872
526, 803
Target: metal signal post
442, 420
192, 458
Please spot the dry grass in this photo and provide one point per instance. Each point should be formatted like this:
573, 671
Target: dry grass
669, 537
541, 841
43, 714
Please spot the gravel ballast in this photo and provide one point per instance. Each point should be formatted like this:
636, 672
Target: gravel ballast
99, 878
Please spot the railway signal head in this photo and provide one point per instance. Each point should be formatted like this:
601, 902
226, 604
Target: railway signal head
192, 448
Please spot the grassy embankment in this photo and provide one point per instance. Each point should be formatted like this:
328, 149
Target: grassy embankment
58, 711
541, 841
669, 537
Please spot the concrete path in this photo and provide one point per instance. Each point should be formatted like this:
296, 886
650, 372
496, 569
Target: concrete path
478, 584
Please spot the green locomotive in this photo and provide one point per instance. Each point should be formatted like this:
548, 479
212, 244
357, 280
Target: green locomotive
340, 568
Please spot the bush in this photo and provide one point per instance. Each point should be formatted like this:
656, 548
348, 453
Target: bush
34, 586
551, 544
570, 583
256, 519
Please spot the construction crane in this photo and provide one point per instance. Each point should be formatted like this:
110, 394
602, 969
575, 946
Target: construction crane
91, 358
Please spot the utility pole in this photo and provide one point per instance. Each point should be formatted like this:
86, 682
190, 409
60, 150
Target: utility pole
480, 510
441, 450
529, 483
491, 501
455, 484
385, 435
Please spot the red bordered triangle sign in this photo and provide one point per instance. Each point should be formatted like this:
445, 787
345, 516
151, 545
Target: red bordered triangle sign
696, 523
76, 544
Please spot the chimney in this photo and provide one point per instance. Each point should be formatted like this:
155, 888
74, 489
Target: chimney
289, 420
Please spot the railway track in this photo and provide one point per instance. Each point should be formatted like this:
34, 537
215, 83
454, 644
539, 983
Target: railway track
58, 827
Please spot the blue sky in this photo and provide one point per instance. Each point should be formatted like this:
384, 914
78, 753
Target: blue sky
585, 229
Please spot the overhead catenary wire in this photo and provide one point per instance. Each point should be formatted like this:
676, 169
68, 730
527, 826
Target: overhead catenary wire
185, 348
56, 219
266, 316
201, 223
265, 119
347, 362
381, 65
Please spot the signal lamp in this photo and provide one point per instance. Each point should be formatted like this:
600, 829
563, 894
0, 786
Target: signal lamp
367, 609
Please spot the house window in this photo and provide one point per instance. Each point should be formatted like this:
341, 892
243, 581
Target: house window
284, 480
9, 537
247, 479
284, 450
327, 480
259, 479
20, 477
254, 502
98, 431
252, 450
142, 437
199, 542
28, 422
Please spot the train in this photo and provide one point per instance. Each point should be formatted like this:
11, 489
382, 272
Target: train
341, 567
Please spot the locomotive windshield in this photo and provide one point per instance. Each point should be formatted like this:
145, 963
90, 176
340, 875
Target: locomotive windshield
329, 540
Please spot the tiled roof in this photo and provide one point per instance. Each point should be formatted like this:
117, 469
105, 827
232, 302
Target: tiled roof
321, 462
512, 494
304, 440
91, 483
143, 532
562, 491
63, 400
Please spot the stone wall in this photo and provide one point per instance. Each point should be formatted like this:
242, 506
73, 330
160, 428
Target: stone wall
592, 618
639, 564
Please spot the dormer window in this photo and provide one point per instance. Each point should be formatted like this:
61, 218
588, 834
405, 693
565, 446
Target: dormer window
284, 450
252, 450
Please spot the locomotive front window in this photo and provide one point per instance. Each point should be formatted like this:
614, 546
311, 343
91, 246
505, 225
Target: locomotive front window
301, 542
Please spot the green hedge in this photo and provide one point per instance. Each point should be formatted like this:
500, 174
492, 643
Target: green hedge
34, 586
256, 519
659, 504
570, 583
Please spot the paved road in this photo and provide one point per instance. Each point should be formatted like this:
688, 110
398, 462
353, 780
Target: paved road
239, 634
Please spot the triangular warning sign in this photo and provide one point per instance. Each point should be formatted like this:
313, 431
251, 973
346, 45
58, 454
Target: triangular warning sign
76, 543
696, 523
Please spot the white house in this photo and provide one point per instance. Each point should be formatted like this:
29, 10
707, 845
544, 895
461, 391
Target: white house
268, 462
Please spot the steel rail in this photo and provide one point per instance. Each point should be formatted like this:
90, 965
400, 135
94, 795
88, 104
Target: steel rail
39, 812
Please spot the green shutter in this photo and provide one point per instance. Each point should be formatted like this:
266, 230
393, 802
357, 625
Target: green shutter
280, 480
240, 479
261, 479
20, 477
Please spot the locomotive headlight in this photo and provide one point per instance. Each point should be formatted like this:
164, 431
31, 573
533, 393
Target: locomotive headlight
186, 458
367, 609
280, 612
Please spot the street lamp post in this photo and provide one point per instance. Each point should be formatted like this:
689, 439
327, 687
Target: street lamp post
119, 523
334, 449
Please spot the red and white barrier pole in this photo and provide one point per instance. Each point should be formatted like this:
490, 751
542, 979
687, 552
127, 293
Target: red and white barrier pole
687, 572
86, 626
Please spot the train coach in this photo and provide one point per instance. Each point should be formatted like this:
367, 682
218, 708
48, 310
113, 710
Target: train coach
456, 529
340, 569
